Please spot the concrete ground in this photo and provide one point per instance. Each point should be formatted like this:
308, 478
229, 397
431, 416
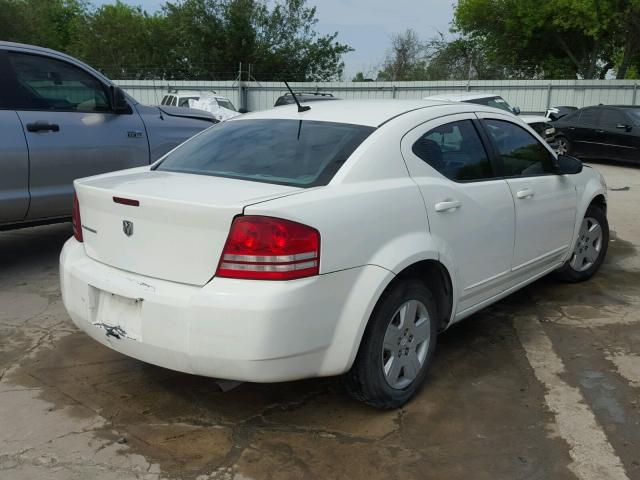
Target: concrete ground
543, 385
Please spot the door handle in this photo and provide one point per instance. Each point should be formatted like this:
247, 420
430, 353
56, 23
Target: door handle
599, 131
571, 128
448, 206
525, 193
43, 127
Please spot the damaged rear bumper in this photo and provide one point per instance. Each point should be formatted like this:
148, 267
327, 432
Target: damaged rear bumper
229, 329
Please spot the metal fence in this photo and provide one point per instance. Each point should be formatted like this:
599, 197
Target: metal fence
531, 96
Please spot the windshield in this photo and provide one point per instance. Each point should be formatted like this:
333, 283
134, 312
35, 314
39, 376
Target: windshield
495, 102
225, 104
298, 153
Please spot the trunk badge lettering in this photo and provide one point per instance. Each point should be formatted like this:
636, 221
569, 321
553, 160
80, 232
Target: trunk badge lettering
127, 227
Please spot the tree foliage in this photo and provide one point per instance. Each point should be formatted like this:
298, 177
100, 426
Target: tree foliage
189, 39
555, 38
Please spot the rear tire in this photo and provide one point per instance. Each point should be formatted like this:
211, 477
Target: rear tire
590, 249
397, 347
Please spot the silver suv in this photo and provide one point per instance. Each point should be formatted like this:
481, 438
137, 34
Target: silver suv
61, 120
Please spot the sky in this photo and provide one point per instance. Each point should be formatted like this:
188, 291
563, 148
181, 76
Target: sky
365, 25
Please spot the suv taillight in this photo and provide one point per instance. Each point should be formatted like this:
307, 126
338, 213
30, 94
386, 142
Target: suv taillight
75, 219
268, 248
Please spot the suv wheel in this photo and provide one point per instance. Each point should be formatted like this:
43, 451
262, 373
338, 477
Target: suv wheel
397, 347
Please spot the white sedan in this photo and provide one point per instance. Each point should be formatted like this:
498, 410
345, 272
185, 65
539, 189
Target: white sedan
343, 239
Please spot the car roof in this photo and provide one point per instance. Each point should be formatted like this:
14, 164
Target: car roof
462, 97
359, 112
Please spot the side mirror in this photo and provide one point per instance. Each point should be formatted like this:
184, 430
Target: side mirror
119, 102
516, 110
243, 110
568, 165
626, 128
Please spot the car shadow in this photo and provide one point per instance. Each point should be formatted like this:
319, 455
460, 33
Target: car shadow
34, 247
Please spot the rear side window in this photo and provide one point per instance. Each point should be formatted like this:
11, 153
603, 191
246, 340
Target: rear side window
455, 150
520, 152
612, 118
590, 116
48, 84
298, 153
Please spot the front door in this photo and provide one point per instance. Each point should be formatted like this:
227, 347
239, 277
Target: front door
545, 202
470, 210
71, 130
619, 141
14, 158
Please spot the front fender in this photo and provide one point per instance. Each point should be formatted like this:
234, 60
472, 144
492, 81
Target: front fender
589, 184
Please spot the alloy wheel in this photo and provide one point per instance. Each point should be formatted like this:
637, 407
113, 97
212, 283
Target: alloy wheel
405, 344
588, 246
563, 147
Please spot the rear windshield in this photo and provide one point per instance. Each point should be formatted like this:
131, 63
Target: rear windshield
495, 102
298, 153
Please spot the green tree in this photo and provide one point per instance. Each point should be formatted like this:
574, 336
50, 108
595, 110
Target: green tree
555, 38
406, 61
122, 41
51, 23
191, 39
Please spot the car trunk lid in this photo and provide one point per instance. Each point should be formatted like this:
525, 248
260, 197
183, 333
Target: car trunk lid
179, 227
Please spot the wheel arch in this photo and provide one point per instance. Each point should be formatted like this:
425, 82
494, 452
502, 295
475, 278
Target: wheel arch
437, 277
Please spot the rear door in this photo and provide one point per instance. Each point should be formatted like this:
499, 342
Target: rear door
545, 203
586, 135
618, 138
71, 130
14, 158
469, 207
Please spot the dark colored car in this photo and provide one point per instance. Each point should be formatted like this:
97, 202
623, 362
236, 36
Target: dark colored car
303, 97
608, 132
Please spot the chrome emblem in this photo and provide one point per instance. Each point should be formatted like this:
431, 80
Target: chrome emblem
127, 227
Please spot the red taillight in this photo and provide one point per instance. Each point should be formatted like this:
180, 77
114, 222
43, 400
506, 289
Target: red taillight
267, 248
75, 218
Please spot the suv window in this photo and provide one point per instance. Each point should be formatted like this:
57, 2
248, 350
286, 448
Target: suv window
48, 84
225, 104
184, 101
456, 151
521, 153
610, 118
590, 116
299, 153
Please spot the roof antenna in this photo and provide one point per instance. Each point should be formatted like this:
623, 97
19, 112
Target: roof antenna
300, 107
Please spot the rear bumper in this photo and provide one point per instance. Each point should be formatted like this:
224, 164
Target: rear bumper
257, 331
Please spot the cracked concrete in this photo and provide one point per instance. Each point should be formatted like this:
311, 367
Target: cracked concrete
73, 409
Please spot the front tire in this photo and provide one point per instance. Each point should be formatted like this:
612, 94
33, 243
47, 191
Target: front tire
590, 249
397, 347
563, 146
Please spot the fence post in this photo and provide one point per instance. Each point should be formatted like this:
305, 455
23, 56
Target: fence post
393, 91
548, 98
635, 92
